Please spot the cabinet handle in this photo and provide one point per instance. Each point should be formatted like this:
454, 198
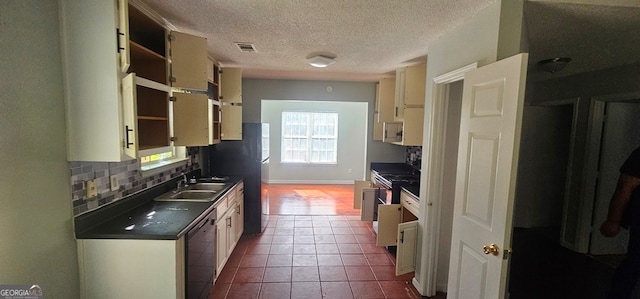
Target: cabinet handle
127, 130
229, 221
238, 211
396, 111
118, 34
402, 237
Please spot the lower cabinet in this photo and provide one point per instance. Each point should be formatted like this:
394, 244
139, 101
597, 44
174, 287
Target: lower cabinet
364, 198
398, 226
230, 225
125, 268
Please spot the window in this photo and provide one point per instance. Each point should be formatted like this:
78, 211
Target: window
160, 158
309, 137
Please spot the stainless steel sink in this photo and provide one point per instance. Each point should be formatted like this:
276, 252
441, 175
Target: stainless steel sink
189, 195
208, 186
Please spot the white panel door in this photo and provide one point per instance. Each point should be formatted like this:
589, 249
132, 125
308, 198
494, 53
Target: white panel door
619, 138
490, 126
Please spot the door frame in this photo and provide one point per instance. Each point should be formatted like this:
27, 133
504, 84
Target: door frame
575, 103
431, 184
590, 171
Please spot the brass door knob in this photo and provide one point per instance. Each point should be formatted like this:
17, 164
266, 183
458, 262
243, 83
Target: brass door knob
491, 249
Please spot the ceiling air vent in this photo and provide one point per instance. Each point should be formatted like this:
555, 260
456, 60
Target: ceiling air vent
246, 47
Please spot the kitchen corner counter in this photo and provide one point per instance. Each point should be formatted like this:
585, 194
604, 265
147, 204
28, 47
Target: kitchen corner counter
413, 190
142, 218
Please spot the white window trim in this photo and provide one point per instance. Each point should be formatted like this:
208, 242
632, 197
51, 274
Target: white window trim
310, 138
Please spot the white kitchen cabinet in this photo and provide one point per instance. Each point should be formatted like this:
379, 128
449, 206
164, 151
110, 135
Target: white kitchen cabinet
192, 120
389, 216
368, 209
410, 88
231, 99
102, 41
125, 268
92, 75
384, 109
221, 244
397, 225
230, 224
189, 61
213, 110
238, 224
358, 186
407, 127
407, 247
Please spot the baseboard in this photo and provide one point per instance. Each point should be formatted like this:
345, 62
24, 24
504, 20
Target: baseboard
310, 182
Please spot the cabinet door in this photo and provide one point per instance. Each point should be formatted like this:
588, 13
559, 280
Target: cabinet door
231, 238
238, 225
191, 125
92, 92
231, 85
367, 211
388, 220
412, 126
188, 61
393, 131
377, 125
414, 88
399, 94
130, 114
123, 35
231, 122
358, 186
385, 94
406, 250
221, 244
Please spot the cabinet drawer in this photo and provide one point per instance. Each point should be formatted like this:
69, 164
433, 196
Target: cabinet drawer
221, 207
410, 203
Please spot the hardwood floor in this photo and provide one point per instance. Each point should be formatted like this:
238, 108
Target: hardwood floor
315, 246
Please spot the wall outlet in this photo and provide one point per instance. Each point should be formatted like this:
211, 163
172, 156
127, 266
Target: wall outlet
92, 189
114, 183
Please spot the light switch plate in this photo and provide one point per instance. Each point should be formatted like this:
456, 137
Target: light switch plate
92, 189
114, 183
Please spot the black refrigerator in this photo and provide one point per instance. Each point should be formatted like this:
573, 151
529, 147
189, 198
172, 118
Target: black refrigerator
249, 159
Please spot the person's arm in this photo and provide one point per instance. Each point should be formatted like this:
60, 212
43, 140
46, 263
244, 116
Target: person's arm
619, 200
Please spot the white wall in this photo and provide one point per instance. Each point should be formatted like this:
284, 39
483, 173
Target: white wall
352, 141
482, 39
36, 237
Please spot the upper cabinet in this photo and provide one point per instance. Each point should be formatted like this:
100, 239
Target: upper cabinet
384, 109
92, 45
231, 99
407, 125
410, 88
120, 67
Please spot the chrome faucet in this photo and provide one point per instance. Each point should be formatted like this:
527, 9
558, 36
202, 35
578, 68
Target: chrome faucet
183, 183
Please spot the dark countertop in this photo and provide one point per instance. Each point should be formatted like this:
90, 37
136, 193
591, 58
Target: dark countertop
141, 217
395, 168
412, 189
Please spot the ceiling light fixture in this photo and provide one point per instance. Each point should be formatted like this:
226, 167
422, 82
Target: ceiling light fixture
320, 61
553, 65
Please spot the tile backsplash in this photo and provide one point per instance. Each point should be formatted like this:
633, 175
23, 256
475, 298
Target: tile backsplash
129, 178
413, 156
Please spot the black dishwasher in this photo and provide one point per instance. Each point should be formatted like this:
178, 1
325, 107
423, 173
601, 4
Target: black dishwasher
200, 257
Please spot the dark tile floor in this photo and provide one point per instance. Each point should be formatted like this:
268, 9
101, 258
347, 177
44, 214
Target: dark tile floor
316, 247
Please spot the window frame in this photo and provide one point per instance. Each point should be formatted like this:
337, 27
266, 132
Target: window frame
309, 137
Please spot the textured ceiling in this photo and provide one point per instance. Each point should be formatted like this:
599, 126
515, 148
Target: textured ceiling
372, 38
